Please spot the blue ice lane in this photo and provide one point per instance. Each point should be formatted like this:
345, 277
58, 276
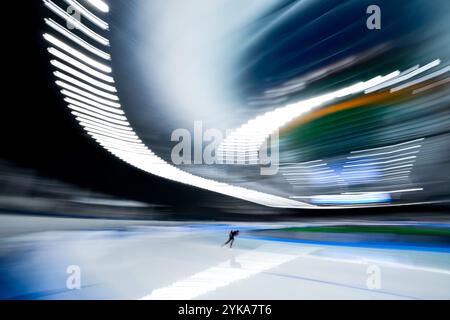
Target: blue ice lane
373, 245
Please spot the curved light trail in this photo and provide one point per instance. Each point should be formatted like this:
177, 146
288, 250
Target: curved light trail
89, 92
84, 74
255, 132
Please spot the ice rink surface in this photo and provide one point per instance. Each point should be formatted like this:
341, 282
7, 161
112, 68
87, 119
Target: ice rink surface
157, 260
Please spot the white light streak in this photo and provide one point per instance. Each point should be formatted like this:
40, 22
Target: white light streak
390, 191
406, 76
94, 124
69, 35
422, 79
95, 132
87, 14
82, 76
391, 146
83, 85
83, 117
393, 178
92, 105
370, 158
81, 56
360, 172
380, 162
91, 97
97, 115
77, 24
100, 5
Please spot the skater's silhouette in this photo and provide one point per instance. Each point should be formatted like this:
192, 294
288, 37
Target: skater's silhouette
231, 238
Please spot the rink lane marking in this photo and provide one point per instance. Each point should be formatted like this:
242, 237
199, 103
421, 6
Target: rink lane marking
225, 273
342, 285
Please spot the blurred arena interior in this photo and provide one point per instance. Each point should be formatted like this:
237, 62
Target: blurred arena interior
356, 121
